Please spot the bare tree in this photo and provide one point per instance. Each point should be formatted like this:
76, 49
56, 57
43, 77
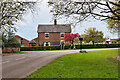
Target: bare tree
80, 10
11, 12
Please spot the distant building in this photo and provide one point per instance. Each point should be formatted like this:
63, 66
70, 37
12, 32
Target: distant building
52, 34
113, 41
34, 42
24, 42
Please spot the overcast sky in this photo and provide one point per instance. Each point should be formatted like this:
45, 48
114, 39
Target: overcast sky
28, 27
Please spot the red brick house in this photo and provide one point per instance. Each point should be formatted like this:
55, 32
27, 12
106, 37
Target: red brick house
24, 42
49, 35
33, 42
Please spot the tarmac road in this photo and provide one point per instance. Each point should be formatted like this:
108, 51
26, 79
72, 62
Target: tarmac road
21, 65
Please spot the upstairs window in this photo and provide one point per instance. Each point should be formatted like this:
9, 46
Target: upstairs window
62, 35
21, 40
46, 35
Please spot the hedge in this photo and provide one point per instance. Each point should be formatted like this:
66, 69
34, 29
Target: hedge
68, 47
40, 48
98, 46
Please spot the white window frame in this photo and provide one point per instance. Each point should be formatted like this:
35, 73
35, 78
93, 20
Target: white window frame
45, 43
47, 37
60, 35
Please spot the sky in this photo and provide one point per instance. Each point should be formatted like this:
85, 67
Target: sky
27, 28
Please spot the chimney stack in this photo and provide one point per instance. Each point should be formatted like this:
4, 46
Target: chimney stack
55, 22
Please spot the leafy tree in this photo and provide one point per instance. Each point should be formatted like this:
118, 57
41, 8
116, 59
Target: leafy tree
80, 10
114, 25
12, 43
93, 35
70, 37
8, 39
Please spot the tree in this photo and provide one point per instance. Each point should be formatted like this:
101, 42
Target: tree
93, 35
80, 10
70, 37
11, 12
8, 39
114, 25
13, 42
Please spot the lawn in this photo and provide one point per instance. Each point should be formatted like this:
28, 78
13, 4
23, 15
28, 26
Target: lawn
94, 64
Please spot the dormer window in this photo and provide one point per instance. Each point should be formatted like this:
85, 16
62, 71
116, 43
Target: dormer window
47, 35
62, 35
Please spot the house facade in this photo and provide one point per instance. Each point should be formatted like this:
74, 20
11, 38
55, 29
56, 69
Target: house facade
49, 35
33, 42
24, 42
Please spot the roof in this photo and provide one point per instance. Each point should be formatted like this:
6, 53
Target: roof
35, 38
54, 28
115, 39
32, 42
17, 36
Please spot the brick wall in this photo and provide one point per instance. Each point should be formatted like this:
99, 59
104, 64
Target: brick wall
7, 49
36, 40
25, 42
53, 38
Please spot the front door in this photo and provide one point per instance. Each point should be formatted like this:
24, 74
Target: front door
46, 43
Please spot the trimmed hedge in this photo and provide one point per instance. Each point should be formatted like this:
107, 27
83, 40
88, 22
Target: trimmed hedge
40, 48
68, 47
98, 46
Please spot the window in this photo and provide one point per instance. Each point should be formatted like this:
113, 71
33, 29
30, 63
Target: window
21, 41
62, 35
46, 35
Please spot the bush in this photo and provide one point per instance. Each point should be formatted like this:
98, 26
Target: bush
12, 43
68, 47
98, 46
40, 48
114, 42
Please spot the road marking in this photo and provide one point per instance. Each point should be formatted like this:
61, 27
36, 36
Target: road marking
5, 62
20, 58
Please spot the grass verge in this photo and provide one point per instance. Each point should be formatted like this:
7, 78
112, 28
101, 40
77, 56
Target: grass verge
94, 64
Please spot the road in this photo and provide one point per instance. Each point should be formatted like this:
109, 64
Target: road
21, 65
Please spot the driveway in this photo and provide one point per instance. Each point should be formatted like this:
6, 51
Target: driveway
21, 65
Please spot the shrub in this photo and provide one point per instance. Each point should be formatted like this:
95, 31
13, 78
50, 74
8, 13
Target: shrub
68, 47
114, 42
98, 46
12, 43
40, 48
